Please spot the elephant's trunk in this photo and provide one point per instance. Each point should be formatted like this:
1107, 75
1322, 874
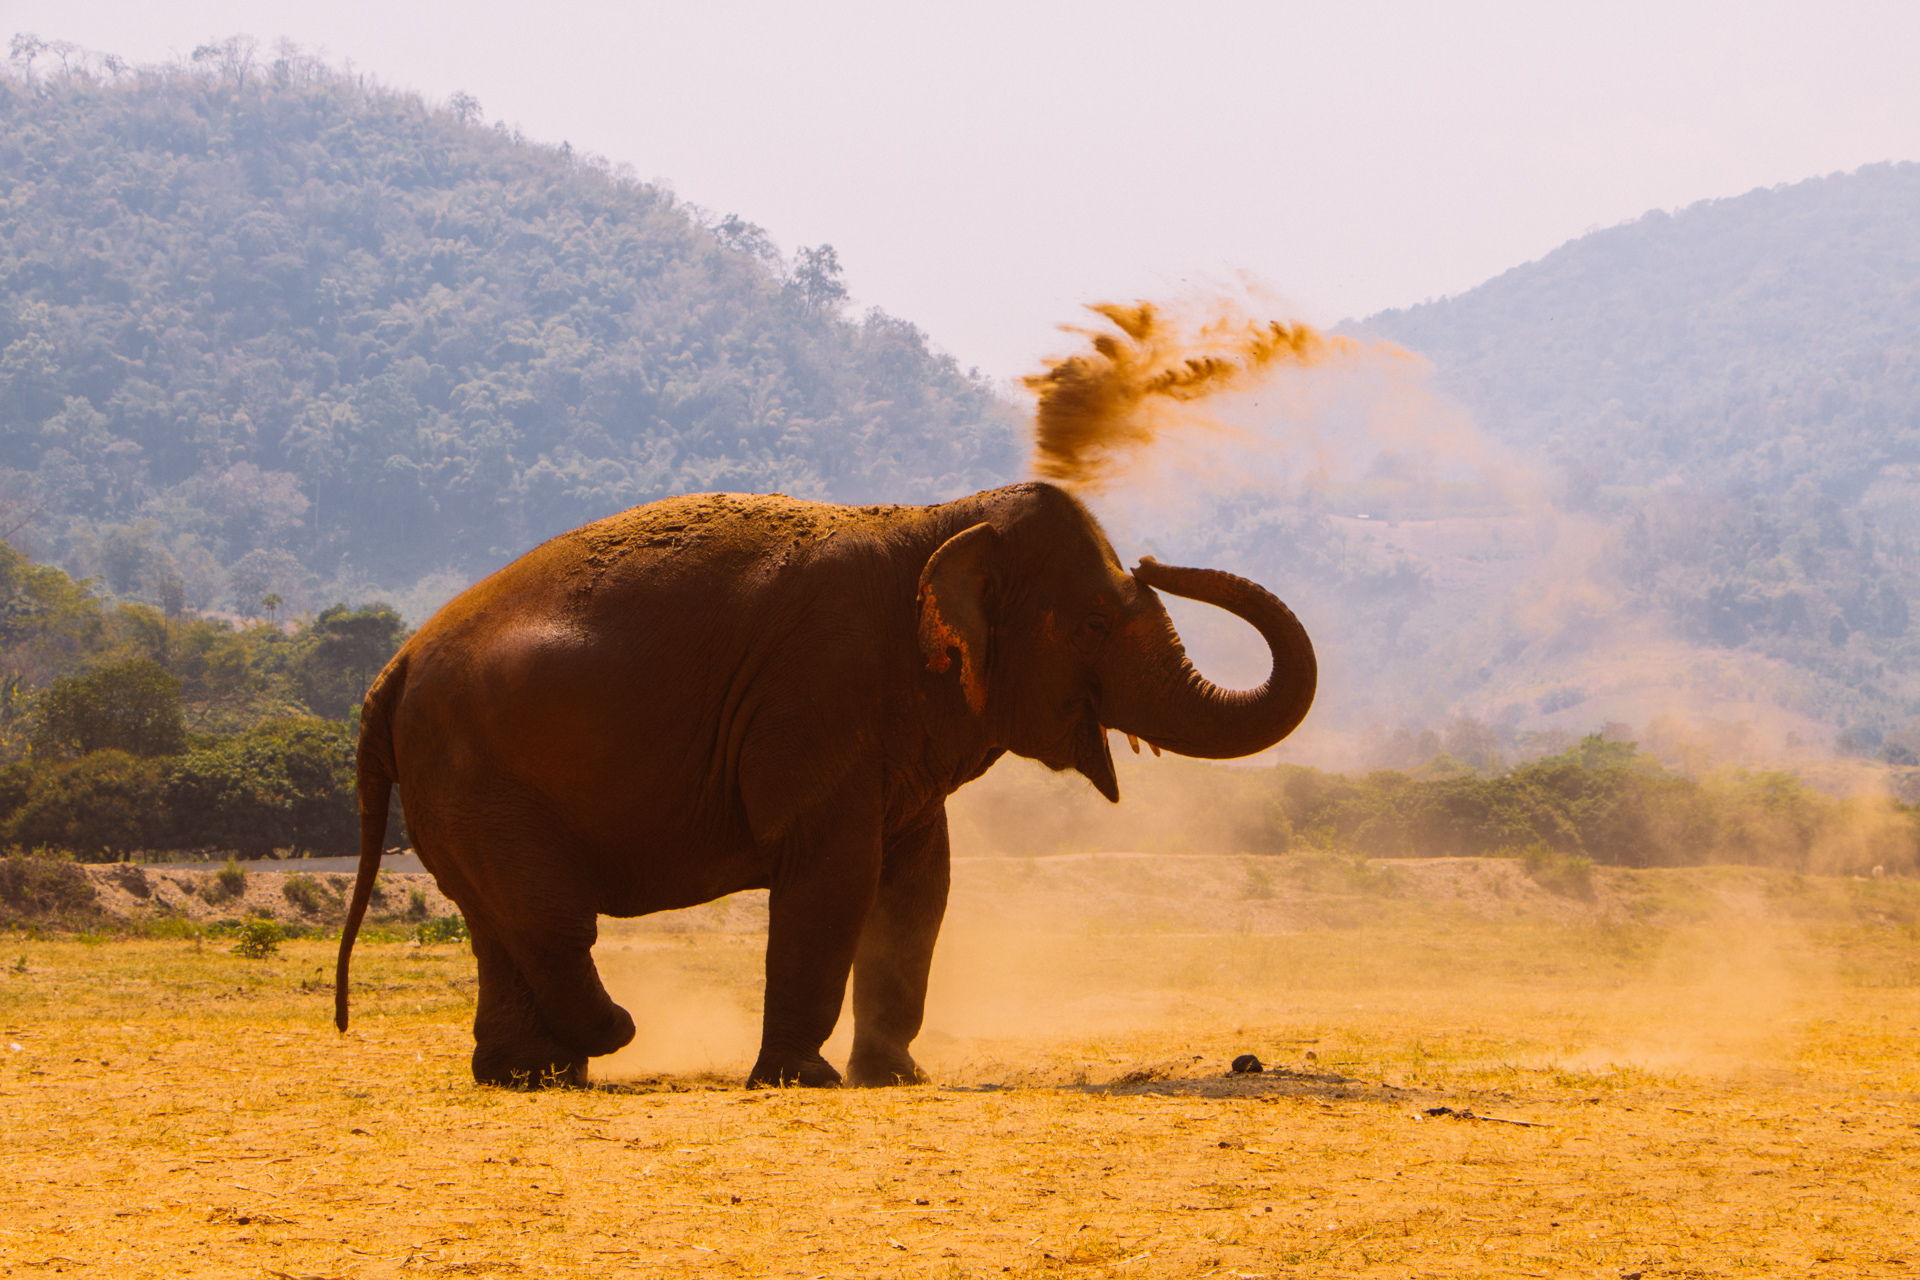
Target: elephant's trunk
1149, 687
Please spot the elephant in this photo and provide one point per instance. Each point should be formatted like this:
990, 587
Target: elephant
721, 692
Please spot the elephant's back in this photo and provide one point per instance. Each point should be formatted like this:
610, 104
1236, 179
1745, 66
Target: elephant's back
661, 625
707, 547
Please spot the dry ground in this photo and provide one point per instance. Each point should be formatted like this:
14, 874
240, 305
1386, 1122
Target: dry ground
1715, 1070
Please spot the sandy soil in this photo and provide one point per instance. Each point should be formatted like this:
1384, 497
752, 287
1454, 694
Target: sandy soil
1705, 1074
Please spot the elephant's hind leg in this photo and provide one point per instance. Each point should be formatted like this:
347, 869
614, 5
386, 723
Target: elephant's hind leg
512, 1046
557, 963
538, 1022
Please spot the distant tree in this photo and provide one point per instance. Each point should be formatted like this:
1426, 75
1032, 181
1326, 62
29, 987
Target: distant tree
233, 58
123, 554
816, 281
131, 706
740, 236
344, 650
271, 603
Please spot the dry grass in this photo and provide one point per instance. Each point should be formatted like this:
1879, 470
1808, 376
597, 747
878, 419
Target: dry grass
1718, 1076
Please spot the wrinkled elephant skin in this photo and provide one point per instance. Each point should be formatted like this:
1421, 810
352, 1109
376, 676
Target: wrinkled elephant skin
723, 692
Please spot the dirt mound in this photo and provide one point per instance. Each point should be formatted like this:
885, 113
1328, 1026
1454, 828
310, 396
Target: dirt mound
56, 894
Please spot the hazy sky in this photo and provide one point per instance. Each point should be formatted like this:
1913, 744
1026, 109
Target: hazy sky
985, 168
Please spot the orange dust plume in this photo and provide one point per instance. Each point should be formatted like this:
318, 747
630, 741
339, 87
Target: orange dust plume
1097, 409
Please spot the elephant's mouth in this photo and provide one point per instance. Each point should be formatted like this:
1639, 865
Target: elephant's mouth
1091, 755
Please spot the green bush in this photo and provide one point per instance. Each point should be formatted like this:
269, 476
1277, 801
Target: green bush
229, 881
103, 806
345, 649
16, 784
443, 929
1339, 873
304, 892
416, 904
259, 939
288, 784
1601, 800
1259, 885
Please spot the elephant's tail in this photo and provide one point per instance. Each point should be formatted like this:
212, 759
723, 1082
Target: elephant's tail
376, 772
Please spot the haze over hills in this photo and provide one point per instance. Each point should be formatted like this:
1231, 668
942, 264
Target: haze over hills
1743, 344
267, 327
1729, 396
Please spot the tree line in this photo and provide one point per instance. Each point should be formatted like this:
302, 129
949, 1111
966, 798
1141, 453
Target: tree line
1604, 801
125, 731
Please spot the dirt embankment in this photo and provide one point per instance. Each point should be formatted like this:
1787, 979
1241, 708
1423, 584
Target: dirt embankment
81, 895
1116, 893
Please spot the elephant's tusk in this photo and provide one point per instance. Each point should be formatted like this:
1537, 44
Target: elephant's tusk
1134, 743
1153, 747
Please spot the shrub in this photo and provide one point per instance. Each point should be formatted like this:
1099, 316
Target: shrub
416, 904
1567, 874
444, 929
1259, 885
42, 884
259, 939
102, 806
304, 892
16, 784
1337, 873
346, 649
229, 881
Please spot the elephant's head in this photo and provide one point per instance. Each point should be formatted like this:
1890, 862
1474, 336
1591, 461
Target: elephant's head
1057, 643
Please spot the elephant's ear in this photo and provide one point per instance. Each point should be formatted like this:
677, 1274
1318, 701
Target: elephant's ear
954, 590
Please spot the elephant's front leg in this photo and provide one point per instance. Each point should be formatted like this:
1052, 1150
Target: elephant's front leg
821, 895
896, 952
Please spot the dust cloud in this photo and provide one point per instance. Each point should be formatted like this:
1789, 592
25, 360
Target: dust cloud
695, 1002
1096, 411
1440, 573
1099, 968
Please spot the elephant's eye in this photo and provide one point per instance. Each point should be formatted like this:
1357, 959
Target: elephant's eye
1096, 627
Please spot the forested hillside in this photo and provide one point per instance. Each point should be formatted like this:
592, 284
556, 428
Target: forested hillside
1739, 344
1733, 392
267, 328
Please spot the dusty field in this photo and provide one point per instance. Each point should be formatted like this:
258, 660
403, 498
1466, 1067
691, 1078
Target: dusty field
1715, 1069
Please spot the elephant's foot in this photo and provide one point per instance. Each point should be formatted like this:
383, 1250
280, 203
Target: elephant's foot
521, 1066
871, 1068
810, 1072
610, 1030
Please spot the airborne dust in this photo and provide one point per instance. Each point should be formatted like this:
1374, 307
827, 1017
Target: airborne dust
1095, 411
1150, 924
